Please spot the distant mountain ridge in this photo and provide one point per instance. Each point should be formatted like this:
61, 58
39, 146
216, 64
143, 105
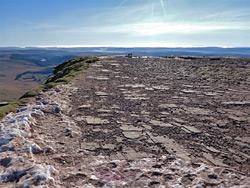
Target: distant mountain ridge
154, 51
23, 68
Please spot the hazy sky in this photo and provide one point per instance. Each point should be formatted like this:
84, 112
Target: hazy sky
125, 22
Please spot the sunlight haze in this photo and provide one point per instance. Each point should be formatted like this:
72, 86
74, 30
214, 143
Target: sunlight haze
166, 23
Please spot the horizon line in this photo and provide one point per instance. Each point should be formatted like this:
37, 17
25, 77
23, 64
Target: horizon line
121, 46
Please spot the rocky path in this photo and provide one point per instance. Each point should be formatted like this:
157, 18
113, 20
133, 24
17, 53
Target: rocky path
150, 107
152, 122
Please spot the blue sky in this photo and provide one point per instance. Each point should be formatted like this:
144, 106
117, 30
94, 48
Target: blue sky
166, 23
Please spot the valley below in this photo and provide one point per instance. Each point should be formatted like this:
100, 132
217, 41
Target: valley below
22, 69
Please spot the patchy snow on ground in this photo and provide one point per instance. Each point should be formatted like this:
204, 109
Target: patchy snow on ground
60, 139
17, 150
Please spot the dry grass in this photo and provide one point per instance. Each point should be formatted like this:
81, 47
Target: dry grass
63, 74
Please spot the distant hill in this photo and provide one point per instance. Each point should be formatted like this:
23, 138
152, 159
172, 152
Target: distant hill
24, 68
197, 51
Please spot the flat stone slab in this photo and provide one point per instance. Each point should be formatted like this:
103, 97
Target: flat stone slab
190, 129
147, 126
136, 98
132, 155
149, 88
210, 158
212, 149
133, 85
178, 120
132, 134
210, 94
200, 111
236, 103
118, 139
89, 146
119, 156
188, 91
84, 106
96, 65
170, 145
95, 121
130, 128
103, 111
101, 78
237, 118
160, 123
160, 88
100, 93
115, 64
105, 70
243, 139
108, 146
166, 106
79, 118
125, 77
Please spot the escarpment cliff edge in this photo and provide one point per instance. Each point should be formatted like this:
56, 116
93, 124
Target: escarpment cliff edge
114, 121
63, 73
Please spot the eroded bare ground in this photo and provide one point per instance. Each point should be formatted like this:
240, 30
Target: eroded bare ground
149, 122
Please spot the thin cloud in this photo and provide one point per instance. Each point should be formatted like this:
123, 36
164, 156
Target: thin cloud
151, 29
148, 29
40, 25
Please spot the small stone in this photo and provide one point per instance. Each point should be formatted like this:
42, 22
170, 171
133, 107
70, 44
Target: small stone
212, 149
156, 166
58, 110
198, 186
168, 176
154, 183
131, 135
112, 165
212, 176
194, 165
84, 106
101, 93
22, 109
188, 91
35, 149
210, 184
167, 106
39, 107
54, 104
157, 174
109, 183
48, 149
6, 162
45, 102
95, 121
189, 177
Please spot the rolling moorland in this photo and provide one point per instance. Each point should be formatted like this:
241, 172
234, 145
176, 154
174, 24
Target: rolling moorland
22, 69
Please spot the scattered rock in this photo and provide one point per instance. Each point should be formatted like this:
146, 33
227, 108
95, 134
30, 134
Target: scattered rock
160, 123
212, 176
48, 149
131, 134
157, 173
95, 121
5, 162
84, 106
35, 149
157, 166
154, 183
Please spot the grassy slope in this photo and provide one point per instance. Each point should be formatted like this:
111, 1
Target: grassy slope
63, 73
